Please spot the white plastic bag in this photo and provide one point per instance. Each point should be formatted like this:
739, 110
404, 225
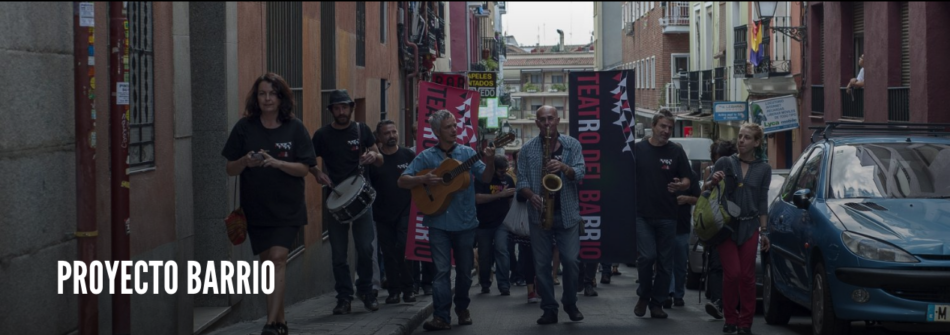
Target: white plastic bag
516, 221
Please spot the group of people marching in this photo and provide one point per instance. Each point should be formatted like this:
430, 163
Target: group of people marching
272, 152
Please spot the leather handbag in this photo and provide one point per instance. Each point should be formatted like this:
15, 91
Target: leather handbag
236, 222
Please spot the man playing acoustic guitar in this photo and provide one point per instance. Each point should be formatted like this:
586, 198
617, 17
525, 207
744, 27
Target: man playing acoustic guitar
454, 229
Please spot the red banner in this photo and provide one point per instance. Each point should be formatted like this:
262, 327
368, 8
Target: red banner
464, 105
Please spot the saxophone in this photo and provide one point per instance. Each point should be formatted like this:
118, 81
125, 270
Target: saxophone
550, 184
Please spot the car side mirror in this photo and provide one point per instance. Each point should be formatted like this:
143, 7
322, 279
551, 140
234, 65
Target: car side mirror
802, 198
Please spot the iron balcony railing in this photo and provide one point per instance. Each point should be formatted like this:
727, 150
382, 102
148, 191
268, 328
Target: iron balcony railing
719, 84
694, 88
706, 82
818, 99
852, 104
489, 48
676, 13
898, 104
741, 51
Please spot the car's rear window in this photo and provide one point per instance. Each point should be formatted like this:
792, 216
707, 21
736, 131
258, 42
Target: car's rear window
890, 170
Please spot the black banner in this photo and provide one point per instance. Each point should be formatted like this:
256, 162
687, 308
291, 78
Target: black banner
602, 119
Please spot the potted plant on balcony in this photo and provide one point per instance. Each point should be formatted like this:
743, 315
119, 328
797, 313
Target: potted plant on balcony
559, 87
530, 88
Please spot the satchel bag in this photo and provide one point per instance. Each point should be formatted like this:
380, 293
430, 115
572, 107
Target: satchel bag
236, 222
516, 221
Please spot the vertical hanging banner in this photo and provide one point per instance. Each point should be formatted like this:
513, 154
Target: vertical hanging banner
602, 119
464, 106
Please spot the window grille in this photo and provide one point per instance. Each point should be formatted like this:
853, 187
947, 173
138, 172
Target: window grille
142, 102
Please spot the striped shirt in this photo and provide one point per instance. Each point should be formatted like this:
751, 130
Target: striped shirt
529, 176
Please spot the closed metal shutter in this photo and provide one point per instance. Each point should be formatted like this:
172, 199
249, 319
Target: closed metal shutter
858, 17
905, 45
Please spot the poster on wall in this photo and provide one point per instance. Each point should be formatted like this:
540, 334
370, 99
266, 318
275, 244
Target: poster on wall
602, 119
484, 82
464, 106
774, 114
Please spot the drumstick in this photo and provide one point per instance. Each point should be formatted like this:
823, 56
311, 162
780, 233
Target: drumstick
335, 191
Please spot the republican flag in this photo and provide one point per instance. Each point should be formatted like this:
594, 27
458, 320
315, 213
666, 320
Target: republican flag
757, 52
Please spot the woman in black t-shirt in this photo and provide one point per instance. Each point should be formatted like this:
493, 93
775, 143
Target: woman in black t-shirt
271, 150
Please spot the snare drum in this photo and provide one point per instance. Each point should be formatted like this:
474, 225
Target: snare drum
354, 199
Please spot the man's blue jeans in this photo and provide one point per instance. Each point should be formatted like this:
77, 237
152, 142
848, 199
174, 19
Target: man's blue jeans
568, 243
655, 244
364, 231
443, 244
493, 246
680, 250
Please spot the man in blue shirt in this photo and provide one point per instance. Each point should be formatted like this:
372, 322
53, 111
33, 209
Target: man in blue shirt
565, 161
453, 230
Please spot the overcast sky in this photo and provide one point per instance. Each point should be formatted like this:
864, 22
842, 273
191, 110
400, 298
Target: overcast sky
527, 20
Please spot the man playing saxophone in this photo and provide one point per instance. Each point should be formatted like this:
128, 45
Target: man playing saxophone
549, 169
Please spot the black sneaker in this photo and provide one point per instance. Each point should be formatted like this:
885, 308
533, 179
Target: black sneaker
658, 313
281, 328
605, 279
342, 307
408, 297
641, 308
505, 291
369, 301
589, 291
486, 290
728, 329
549, 317
678, 302
713, 309
393, 298
573, 313
436, 324
668, 303
465, 318
744, 330
269, 330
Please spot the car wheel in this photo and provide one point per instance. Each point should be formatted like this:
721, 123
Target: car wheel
776, 308
823, 318
693, 279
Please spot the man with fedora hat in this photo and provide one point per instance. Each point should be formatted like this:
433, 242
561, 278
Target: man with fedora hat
341, 144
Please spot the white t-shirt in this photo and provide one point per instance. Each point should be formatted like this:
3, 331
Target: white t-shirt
861, 75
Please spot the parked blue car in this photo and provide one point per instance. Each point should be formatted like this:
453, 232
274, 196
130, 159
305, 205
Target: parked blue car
861, 230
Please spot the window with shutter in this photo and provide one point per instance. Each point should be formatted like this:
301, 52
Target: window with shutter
821, 48
858, 32
905, 44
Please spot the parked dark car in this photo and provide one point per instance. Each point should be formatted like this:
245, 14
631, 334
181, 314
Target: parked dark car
861, 231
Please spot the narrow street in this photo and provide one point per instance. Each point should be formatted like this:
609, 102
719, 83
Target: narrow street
611, 312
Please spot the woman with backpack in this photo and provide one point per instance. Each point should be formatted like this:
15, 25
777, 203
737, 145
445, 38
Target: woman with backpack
750, 187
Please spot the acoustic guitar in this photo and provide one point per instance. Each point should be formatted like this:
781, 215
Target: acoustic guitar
435, 199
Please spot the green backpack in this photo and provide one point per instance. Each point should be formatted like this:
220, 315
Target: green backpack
713, 215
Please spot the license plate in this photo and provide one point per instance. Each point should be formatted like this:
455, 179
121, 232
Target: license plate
938, 313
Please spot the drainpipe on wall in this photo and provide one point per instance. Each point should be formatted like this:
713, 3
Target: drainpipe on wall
84, 72
408, 85
119, 155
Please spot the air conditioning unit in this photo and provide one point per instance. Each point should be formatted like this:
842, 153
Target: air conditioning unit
628, 28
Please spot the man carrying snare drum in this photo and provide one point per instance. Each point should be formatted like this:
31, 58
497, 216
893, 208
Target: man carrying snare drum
344, 146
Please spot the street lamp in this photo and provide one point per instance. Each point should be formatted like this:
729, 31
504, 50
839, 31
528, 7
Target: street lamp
505, 128
766, 10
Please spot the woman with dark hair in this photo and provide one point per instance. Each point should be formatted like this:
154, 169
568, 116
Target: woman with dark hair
271, 151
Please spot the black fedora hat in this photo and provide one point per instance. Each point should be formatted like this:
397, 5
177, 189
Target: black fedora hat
339, 97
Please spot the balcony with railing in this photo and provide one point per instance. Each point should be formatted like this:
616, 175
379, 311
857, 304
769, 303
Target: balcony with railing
675, 17
818, 99
741, 51
489, 48
852, 103
898, 104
